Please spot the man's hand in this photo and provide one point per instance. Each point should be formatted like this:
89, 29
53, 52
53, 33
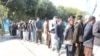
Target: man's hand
40, 30
76, 44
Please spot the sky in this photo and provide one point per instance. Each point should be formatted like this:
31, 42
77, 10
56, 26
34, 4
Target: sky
97, 11
84, 5
80, 4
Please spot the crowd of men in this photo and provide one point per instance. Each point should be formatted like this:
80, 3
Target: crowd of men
81, 38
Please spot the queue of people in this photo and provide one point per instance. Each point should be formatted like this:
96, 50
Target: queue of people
81, 39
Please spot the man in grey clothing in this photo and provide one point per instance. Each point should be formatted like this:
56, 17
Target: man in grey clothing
96, 33
88, 37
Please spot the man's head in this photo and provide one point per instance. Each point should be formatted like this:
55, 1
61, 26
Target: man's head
46, 19
55, 18
38, 18
92, 19
32, 21
72, 16
59, 20
79, 18
71, 20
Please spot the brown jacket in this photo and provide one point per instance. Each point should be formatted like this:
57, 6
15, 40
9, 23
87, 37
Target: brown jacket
69, 34
78, 33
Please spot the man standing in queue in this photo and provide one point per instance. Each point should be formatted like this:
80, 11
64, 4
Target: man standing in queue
68, 35
59, 35
78, 37
38, 30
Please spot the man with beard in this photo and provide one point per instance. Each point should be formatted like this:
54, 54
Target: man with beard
78, 37
68, 35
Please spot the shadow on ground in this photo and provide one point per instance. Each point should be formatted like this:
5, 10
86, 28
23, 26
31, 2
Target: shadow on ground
7, 38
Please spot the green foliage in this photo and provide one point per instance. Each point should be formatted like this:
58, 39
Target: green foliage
21, 7
29, 8
25, 9
3, 11
46, 9
66, 12
61, 12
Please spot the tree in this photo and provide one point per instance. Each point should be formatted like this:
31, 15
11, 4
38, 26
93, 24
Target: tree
30, 8
51, 10
3, 15
61, 12
66, 12
46, 9
24, 9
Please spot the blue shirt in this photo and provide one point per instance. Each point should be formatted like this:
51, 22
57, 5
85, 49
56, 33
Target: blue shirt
38, 25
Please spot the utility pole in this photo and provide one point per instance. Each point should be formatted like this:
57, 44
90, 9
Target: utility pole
91, 12
94, 7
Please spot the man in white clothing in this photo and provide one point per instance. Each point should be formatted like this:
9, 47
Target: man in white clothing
52, 26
